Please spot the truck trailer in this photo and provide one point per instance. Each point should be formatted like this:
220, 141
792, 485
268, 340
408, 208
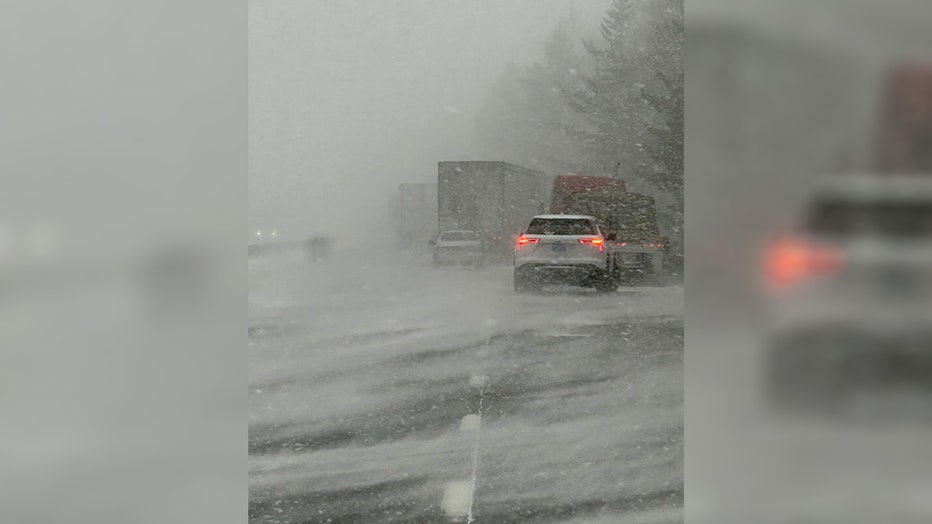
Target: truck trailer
494, 199
904, 138
417, 214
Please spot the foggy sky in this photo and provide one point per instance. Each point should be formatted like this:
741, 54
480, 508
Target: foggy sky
348, 99
868, 29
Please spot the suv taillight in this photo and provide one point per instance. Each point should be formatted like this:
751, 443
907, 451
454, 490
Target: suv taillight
593, 241
791, 260
523, 241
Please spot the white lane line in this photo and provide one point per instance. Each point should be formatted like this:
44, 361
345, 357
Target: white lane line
475, 451
479, 381
457, 499
470, 423
472, 487
458, 495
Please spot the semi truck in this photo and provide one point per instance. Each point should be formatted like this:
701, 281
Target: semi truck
494, 199
417, 214
565, 186
629, 221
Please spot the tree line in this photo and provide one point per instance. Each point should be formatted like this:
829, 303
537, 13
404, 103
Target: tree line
610, 103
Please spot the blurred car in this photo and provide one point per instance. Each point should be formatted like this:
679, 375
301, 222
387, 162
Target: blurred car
850, 296
562, 249
457, 248
318, 247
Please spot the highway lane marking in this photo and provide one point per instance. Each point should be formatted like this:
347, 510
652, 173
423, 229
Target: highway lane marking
471, 422
457, 499
475, 469
480, 383
458, 495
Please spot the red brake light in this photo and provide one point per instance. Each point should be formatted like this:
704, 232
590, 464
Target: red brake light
791, 260
523, 241
595, 241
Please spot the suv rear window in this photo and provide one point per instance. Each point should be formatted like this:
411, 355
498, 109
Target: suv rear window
561, 226
458, 236
885, 218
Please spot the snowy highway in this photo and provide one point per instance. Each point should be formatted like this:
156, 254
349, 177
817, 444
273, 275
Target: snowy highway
394, 392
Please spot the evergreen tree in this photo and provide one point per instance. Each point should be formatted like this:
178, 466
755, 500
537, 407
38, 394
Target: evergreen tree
551, 121
527, 118
500, 123
633, 102
610, 99
664, 56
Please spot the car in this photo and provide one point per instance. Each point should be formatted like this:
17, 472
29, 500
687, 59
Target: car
849, 297
562, 249
457, 248
318, 247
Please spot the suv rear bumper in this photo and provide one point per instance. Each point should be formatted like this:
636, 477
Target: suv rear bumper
571, 273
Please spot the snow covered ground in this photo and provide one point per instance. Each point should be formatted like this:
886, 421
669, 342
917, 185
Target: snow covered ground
366, 380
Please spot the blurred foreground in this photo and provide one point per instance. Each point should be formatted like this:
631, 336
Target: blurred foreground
799, 408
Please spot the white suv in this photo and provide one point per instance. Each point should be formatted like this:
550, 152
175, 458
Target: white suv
565, 249
850, 309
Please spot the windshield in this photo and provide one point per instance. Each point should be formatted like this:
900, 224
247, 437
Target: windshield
561, 226
458, 236
433, 338
886, 218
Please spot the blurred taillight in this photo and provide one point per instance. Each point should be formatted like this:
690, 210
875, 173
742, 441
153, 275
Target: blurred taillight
593, 241
523, 241
790, 260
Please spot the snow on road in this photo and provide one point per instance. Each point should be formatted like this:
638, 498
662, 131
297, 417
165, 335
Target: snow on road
362, 376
